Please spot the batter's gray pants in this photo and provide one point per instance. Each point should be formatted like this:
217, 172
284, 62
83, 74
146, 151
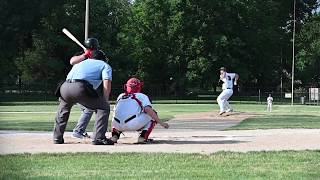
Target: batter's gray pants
84, 120
72, 93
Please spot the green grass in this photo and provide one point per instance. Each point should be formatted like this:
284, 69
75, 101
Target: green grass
283, 116
222, 165
40, 117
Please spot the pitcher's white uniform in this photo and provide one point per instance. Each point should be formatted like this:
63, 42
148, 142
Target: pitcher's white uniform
227, 91
129, 112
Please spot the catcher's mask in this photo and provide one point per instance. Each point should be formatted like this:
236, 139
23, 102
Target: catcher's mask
133, 85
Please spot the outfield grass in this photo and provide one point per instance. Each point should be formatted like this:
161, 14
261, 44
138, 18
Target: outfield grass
41, 117
283, 116
222, 165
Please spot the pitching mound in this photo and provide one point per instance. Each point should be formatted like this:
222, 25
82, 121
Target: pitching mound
215, 115
208, 120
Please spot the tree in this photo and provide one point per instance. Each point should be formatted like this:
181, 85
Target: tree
18, 19
308, 56
176, 44
48, 58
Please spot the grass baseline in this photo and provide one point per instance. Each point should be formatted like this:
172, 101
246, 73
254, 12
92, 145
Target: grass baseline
41, 117
42, 121
221, 165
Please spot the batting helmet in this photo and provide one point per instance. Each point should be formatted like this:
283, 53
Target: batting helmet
92, 43
133, 85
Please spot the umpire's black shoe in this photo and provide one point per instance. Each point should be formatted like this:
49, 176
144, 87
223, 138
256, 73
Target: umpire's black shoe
105, 141
58, 141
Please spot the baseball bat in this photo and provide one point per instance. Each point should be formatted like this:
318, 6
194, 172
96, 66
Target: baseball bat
74, 39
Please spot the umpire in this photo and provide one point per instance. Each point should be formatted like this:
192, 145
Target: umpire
79, 131
80, 87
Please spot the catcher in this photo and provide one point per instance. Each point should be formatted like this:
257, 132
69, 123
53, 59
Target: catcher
133, 112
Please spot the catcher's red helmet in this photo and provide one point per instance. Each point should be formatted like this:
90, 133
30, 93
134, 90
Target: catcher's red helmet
133, 85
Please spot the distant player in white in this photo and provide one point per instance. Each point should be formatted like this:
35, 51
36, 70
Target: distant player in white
228, 79
133, 112
269, 101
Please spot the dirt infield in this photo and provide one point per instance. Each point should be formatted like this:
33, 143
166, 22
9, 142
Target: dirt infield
192, 133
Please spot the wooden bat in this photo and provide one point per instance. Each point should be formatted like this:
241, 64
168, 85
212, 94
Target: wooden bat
74, 39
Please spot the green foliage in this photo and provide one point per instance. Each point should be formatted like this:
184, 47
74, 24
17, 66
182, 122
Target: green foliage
189, 40
308, 56
174, 44
36, 65
18, 19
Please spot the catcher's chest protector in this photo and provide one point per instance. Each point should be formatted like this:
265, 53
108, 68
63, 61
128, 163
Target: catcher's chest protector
128, 98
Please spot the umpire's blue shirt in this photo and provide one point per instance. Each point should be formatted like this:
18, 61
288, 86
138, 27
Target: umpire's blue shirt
91, 70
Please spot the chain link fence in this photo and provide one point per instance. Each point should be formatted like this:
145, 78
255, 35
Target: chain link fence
42, 92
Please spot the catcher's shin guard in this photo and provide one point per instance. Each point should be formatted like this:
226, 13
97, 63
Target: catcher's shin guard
145, 133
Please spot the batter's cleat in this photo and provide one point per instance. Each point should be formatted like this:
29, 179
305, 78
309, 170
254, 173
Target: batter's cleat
86, 135
105, 141
80, 136
229, 110
58, 141
220, 113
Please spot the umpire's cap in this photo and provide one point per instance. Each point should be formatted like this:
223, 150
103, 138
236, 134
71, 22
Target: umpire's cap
99, 55
92, 43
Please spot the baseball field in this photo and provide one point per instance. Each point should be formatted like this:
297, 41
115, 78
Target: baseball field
246, 144
40, 117
234, 84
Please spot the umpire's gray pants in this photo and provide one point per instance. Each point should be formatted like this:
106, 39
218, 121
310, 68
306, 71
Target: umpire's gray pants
72, 93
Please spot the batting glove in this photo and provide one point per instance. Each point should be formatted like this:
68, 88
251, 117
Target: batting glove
87, 53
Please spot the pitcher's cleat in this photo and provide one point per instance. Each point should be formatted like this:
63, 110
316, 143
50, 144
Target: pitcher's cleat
229, 110
220, 113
